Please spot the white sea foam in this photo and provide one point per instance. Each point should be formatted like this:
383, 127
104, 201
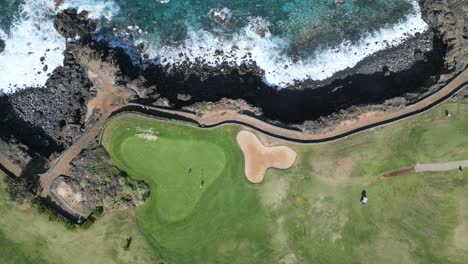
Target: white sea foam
268, 51
33, 36
96, 9
220, 15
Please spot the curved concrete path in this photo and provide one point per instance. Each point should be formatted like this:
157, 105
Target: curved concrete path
364, 122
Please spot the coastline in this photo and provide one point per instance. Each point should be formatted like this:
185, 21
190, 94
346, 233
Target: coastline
44, 130
47, 121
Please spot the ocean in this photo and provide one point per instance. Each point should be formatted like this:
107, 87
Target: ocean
290, 40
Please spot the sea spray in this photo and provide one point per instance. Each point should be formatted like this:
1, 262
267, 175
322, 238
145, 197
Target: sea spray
256, 43
31, 44
33, 47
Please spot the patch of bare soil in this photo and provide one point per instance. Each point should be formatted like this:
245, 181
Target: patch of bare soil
461, 236
73, 199
259, 158
109, 96
23, 206
10, 166
332, 171
289, 259
344, 167
400, 172
274, 190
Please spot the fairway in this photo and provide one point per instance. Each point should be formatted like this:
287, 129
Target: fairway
29, 237
309, 213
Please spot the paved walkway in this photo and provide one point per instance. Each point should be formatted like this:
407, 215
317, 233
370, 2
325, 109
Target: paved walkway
441, 166
364, 122
111, 98
429, 167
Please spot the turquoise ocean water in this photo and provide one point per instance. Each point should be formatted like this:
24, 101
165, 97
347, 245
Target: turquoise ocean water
305, 23
290, 40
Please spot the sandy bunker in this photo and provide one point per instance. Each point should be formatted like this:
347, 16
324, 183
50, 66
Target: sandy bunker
259, 158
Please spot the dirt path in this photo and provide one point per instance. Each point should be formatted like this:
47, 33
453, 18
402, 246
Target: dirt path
364, 122
109, 98
400, 172
429, 167
258, 158
10, 166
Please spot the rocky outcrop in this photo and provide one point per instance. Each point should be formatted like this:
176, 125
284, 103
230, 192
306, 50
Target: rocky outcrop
71, 24
400, 71
410, 70
224, 105
48, 119
449, 21
2, 45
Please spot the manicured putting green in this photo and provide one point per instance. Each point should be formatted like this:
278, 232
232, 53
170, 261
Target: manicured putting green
181, 169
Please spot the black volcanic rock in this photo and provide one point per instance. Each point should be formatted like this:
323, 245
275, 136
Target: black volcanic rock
70, 24
449, 21
398, 71
2, 45
48, 119
121, 51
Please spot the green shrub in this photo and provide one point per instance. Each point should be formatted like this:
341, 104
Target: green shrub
53, 215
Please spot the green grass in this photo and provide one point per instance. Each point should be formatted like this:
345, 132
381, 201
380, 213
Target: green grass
310, 212
174, 168
29, 237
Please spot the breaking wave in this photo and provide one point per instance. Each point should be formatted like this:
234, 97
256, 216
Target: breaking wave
255, 43
33, 47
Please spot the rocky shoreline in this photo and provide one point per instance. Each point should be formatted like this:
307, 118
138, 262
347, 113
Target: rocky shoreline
37, 124
410, 71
